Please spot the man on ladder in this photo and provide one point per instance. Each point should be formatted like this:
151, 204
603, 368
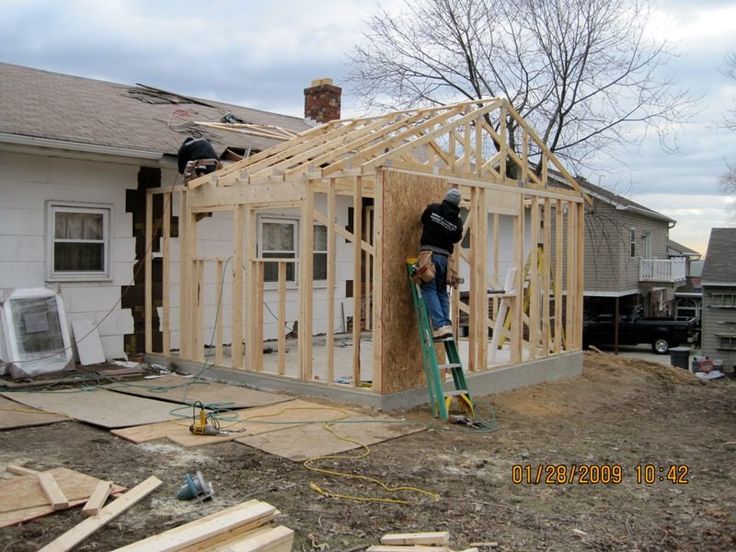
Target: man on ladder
442, 228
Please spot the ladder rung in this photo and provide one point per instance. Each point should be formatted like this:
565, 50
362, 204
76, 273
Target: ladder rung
451, 365
456, 393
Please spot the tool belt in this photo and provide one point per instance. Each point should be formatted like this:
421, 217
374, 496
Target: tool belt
425, 270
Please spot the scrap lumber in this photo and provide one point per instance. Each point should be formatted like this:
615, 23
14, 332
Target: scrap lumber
98, 498
20, 470
202, 534
53, 492
263, 539
21, 498
436, 537
409, 548
77, 534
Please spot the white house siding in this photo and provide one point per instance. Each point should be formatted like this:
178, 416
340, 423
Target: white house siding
27, 182
718, 320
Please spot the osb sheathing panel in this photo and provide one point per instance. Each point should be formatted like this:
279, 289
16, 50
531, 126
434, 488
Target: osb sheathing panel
405, 197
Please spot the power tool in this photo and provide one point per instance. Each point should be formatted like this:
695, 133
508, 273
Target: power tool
204, 423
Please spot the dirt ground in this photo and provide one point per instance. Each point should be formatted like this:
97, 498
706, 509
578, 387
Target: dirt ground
620, 412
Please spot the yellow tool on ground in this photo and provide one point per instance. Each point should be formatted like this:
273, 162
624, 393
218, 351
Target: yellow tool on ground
204, 423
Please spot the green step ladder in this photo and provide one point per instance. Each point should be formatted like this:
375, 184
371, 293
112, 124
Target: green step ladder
439, 399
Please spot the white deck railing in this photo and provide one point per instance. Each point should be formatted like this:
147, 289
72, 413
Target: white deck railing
662, 270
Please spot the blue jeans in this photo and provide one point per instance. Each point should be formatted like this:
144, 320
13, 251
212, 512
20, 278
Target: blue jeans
435, 294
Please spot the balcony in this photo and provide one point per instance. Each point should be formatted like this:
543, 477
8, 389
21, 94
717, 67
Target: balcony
662, 270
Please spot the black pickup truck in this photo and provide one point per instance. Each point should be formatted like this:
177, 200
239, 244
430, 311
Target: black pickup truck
661, 333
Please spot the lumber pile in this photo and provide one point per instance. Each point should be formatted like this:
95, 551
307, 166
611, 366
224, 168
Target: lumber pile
34, 494
438, 541
244, 527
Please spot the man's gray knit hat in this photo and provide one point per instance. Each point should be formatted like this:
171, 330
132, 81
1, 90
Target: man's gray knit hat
453, 196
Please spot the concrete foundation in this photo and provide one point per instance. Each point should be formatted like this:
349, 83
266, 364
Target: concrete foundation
495, 380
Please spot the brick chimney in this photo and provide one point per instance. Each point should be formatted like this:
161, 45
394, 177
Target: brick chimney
322, 101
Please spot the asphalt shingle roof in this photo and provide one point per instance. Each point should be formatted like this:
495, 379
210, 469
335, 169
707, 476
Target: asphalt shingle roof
42, 104
720, 260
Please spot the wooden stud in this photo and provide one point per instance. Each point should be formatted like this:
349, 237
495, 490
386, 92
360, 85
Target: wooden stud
53, 492
570, 277
546, 267
149, 274
282, 319
166, 276
436, 537
259, 304
580, 264
357, 284
251, 232
504, 144
534, 260
331, 279
184, 265
97, 501
476, 285
199, 338
77, 534
482, 273
559, 260
517, 310
378, 208
306, 262
219, 302
236, 327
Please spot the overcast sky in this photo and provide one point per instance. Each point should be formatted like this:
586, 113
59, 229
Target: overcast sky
263, 54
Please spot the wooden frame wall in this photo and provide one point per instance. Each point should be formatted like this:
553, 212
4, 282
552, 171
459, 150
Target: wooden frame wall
403, 161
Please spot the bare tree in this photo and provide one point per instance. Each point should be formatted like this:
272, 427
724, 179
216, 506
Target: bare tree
728, 179
583, 72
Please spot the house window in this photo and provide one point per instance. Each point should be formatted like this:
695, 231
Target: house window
726, 342
632, 242
78, 242
279, 239
722, 300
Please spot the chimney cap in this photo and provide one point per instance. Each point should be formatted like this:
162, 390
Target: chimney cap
320, 82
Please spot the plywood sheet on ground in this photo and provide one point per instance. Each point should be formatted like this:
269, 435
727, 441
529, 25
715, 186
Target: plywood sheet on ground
22, 498
98, 407
254, 421
186, 390
308, 441
13, 414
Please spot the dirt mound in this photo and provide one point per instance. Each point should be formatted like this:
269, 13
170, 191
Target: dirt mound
669, 374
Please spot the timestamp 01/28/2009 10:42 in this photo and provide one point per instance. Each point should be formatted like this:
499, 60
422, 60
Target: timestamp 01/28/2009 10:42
598, 474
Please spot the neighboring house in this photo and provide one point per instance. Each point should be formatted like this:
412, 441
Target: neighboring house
689, 296
719, 297
77, 156
627, 265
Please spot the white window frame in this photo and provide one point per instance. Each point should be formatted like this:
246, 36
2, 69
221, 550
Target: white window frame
277, 219
632, 243
53, 207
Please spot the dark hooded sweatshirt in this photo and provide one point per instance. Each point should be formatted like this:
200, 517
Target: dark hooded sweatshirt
442, 227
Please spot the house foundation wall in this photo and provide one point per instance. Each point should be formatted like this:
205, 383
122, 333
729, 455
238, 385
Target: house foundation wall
499, 380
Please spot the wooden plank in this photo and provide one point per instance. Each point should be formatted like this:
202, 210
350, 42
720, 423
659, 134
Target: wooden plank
475, 284
53, 492
331, 224
482, 317
258, 307
166, 276
74, 536
97, 501
357, 284
518, 301
434, 537
149, 274
236, 348
20, 470
198, 295
263, 539
252, 514
411, 548
282, 319
580, 267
